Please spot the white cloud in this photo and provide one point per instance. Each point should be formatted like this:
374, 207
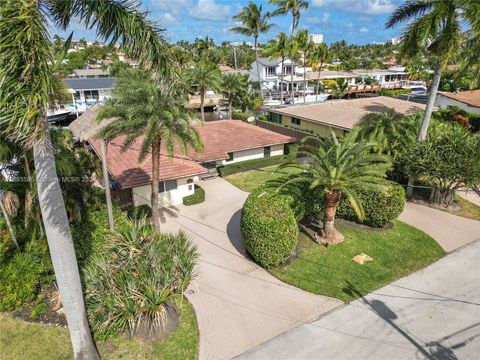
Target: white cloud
363, 30
209, 10
167, 19
370, 7
318, 20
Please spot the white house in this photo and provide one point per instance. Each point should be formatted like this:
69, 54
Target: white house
88, 91
271, 71
466, 100
384, 77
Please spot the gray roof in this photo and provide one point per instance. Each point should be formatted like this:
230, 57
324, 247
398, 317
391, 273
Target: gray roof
87, 72
87, 126
90, 83
268, 61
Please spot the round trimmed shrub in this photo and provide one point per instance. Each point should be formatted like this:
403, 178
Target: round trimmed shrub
381, 205
269, 227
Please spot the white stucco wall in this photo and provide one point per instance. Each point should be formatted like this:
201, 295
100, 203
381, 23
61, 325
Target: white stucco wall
141, 194
444, 102
251, 154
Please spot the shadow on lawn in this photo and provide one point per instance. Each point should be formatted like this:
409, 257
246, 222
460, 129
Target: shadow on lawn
433, 350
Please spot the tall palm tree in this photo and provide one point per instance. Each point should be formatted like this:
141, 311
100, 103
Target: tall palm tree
145, 111
440, 27
293, 52
290, 6
304, 46
317, 57
231, 85
335, 166
26, 85
11, 199
278, 48
254, 22
382, 128
205, 75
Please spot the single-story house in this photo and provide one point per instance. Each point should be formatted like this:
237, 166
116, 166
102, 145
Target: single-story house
90, 89
339, 116
466, 100
89, 74
225, 142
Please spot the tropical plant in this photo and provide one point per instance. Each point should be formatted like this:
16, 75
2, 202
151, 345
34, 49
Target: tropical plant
278, 47
129, 285
304, 46
205, 76
335, 166
254, 22
440, 27
381, 128
147, 114
340, 88
317, 57
231, 85
289, 6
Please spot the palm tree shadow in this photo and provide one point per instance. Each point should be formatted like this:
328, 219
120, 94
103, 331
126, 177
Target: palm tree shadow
234, 234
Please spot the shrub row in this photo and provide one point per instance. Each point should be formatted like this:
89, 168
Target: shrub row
291, 154
393, 93
269, 228
241, 116
197, 198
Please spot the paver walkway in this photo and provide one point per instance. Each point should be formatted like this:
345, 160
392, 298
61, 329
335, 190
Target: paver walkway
450, 231
238, 304
431, 314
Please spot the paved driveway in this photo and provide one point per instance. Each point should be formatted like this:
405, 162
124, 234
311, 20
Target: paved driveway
238, 304
431, 314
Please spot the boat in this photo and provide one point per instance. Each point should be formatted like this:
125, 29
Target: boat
57, 115
416, 87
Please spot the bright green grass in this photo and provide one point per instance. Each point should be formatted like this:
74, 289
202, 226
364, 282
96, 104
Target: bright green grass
22, 340
465, 208
250, 180
396, 252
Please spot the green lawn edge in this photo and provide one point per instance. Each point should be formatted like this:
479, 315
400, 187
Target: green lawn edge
23, 340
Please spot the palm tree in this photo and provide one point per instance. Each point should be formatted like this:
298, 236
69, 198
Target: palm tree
11, 199
293, 51
278, 47
304, 46
293, 6
231, 85
440, 27
340, 88
335, 166
317, 58
205, 75
26, 86
382, 128
145, 112
254, 23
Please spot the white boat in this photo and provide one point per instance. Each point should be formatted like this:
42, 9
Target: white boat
416, 87
57, 115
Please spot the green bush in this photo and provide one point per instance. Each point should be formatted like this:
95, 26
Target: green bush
291, 154
269, 228
381, 206
197, 198
393, 93
138, 212
241, 116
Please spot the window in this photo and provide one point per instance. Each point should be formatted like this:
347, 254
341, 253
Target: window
295, 121
210, 165
270, 71
77, 96
287, 70
266, 151
230, 156
276, 118
167, 185
91, 94
190, 184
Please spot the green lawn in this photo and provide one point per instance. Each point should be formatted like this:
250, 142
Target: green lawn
250, 180
396, 252
22, 340
464, 208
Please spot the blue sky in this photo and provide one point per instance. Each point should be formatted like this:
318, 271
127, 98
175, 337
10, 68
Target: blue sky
356, 21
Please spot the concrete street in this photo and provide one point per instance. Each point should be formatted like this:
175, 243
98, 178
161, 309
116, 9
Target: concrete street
431, 314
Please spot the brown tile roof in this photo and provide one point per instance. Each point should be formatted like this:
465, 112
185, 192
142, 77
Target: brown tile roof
345, 114
219, 138
471, 97
86, 125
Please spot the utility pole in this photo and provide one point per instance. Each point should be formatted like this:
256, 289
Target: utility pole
106, 184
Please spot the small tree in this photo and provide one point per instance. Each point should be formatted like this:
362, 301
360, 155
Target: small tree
317, 58
231, 85
340, 88
335, 166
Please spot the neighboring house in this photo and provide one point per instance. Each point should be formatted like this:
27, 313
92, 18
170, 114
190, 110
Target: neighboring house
89, 73
339, 116
225, 142
384, 77
271, 71
88, 91
348, 76
466, 100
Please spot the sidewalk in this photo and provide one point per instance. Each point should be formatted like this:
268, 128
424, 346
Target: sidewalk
431, 314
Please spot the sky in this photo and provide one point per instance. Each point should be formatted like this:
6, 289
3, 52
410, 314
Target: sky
355, 21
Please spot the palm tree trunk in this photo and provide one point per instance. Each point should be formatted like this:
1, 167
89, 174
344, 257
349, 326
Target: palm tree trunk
291, 77
331, 235
9, 225
61, 248
155, 184
437, 75
230, 107
304, 78
258, 67
318, 81
281, 82
202, 104
106, 184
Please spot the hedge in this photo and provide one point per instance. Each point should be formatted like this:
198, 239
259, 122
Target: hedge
197, 198
269, 228
393, 93
291, 150
381, 206
241, 116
